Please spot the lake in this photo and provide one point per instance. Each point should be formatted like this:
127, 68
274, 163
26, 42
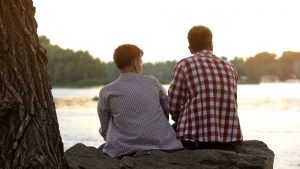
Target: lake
269, 112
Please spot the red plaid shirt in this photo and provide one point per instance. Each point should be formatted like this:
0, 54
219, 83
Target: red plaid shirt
203, 99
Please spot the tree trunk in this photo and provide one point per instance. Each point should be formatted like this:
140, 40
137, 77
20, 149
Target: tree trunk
29, 133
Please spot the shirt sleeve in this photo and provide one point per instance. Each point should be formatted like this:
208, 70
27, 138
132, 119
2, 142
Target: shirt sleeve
235, 76
163, 95
103, 113
177, 92
162, 90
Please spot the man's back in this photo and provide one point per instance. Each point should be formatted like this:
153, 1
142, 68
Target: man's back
203, 99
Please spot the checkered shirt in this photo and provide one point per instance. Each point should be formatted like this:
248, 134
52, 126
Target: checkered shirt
132, 118
203, 99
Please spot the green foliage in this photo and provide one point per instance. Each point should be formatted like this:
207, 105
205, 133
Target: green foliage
69, 68
267, 64
161, 70
239, 64
79, 69
111, 72
290, 64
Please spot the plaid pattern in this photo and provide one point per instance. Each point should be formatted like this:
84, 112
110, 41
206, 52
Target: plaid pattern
203, 99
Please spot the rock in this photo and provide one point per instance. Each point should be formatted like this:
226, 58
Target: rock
95, 98
250, 154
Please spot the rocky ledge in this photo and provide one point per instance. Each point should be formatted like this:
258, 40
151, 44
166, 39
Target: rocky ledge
250, 154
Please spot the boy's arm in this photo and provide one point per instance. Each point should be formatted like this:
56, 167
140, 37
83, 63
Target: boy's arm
163, 96
104, 114
164, 101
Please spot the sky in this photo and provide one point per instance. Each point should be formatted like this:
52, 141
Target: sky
159, 27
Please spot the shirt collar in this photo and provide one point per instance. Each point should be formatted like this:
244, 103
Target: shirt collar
204, 53
129, 75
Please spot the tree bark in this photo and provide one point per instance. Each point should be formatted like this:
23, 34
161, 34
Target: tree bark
29, 132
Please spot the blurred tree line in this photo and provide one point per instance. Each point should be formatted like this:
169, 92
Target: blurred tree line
72, 68
268, 67
78, 68
68, 68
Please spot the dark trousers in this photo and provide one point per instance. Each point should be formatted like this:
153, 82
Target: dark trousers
193, 145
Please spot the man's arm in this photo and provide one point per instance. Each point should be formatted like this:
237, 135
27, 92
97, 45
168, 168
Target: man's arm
176, 92
104, 114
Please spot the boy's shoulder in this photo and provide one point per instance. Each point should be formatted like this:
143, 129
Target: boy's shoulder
151, 77
111, 86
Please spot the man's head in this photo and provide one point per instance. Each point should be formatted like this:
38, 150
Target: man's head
127, 57
200, 38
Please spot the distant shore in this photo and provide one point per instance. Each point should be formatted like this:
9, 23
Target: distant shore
74, 102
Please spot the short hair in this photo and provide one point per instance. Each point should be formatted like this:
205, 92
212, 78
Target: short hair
199, 37
125, 54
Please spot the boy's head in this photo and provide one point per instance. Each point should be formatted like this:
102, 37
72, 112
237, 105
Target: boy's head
127, 55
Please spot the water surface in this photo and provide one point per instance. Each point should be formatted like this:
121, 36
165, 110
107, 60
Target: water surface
268, 112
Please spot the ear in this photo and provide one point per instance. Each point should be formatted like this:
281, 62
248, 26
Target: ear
135, 64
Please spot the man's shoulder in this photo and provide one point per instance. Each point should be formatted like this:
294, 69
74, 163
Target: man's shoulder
224, 61
186, 59
183, 62
227, 63
220, 60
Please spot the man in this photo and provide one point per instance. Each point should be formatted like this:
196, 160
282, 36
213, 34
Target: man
129, 109
203, 96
